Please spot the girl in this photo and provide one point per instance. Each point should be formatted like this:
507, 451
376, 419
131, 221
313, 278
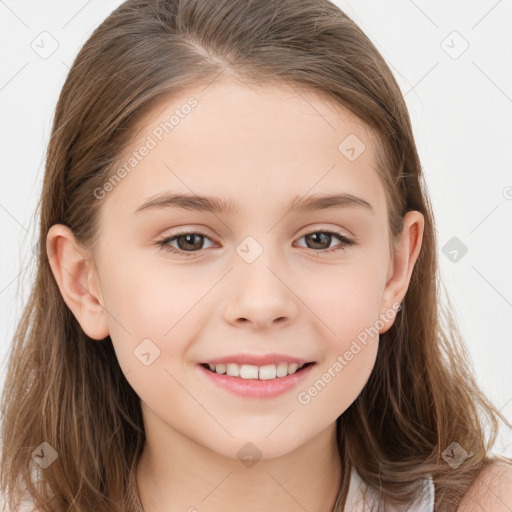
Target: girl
192, 342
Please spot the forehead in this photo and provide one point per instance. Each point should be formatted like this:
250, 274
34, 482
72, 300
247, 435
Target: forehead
252, 144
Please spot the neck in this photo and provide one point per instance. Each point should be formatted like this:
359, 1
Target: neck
175, 474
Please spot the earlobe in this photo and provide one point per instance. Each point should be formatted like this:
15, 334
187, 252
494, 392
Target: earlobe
400, 268
75, 276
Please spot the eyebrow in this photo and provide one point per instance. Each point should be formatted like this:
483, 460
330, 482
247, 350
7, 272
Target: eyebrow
220, 206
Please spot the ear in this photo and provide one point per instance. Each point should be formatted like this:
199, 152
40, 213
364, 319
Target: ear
77, 280
407, 250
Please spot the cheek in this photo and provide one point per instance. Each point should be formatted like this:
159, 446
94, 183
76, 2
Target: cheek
150, 327
346, 299
152, 298
347, 306
148, 302
349, 331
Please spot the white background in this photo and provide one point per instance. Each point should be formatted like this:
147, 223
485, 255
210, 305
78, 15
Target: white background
461, 109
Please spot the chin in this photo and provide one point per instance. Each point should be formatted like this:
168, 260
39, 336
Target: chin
257, 447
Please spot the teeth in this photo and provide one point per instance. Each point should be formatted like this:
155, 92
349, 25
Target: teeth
233, 370
292, 368
220, 368
282, 370
268, 372
249, 371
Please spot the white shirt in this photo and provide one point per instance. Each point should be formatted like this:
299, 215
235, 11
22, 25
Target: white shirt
355, 498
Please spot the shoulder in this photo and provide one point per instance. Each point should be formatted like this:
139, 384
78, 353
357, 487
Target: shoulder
491, 490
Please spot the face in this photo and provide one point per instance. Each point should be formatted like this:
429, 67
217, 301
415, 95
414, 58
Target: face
273, 277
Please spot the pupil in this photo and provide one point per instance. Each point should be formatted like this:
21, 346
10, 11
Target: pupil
189, 239
316, 237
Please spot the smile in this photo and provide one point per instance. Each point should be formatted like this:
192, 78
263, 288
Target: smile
249, 371
252, 381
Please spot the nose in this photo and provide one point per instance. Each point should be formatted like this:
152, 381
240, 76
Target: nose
260, 294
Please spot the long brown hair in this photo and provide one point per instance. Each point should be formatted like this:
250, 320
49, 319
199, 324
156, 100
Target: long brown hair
67, 390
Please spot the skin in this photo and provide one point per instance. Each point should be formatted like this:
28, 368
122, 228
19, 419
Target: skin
261, 146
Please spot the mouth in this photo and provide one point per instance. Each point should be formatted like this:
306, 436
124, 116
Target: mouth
253, 372
256, 382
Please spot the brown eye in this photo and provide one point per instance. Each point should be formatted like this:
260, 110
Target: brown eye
187, 243
190, 241
321, 241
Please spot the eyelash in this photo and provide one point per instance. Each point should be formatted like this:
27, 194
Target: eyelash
345, 242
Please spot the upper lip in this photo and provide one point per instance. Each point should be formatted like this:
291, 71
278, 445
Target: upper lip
257, 359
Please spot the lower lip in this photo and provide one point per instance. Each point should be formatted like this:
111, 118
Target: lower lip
255, 388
